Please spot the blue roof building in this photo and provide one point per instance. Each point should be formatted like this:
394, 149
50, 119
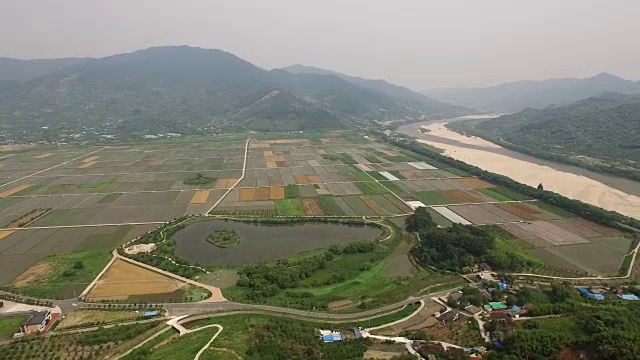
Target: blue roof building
332, 337
150, 313
629, 297
502, 286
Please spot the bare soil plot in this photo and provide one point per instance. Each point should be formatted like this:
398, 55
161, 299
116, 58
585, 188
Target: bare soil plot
313, 179
422, 320
358, 206
530, 238
86, 316
379, 210
247, 194
87, 164
606, 231
574, 228
200, 197
5, 233
42, 156
123, 280
224, 183
276, 192
14, 190
312, 207
262, 193
507, 216
551, 233
517, 211
461, 196
301, 179
476, 214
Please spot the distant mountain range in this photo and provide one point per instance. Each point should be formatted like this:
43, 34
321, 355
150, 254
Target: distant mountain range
189, 90
517, 96
601, 133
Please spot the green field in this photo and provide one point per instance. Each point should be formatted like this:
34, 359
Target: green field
9, 326
289, 207
433, 198
291, 191
371, 188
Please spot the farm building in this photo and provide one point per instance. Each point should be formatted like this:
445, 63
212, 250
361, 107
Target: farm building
497, 305
35, 322
591, 295
150, 313
629, 297
329, 336
448, 317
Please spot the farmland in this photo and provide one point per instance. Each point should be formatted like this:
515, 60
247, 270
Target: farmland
88, 200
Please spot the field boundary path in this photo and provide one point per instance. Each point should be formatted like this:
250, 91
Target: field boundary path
95, 280
244, 171
53, 167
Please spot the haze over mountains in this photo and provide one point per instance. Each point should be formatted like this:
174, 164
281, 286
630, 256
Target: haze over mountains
190, 90
516, 96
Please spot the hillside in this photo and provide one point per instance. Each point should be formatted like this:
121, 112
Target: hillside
24, 70
517, 96
186, 90
601, 133
401, 95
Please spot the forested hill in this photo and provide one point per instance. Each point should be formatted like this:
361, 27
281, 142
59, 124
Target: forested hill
400, 94
517, 96
187, 90
24, 70
601, 133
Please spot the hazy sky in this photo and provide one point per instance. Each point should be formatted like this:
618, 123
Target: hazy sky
417, 43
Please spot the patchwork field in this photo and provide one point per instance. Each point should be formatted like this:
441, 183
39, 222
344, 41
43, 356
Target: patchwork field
99, 197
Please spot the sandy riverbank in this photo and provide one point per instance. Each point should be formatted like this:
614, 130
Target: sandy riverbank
568, 184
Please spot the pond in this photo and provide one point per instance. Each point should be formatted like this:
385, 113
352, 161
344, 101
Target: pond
261, 242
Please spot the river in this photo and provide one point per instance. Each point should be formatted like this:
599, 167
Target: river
606, 191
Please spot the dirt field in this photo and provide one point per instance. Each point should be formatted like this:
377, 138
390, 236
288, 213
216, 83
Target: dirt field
123, 280
276, 192
200, 197
27, 218
87, 164
301, 179
42, 156
15, 190
32, 274
312, 207
461, 196
512, 208
247, 194
262, 193
422, 320
5, 233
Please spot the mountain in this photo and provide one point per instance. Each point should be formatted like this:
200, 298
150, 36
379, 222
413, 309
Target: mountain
601, 133
516, 96
401, 95
188, 90
24, 70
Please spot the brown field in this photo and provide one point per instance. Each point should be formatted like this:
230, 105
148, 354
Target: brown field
271, 165
247, 194
373, 205
313, 179
87, 164
224, 183
461, 196
268, 153
474, 183
527, 209
123, 279
15, 190
91, 159
262, 193
476, 214
42, 156
573, 227
85, 316
200, 197
312, 207
5, 233
276, 192
34, 273
281, 164
28, 218
606, 231
552, 233
301, 179
517, 211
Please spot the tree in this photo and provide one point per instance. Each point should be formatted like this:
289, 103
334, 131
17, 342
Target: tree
79, 265
540, 187
420, 221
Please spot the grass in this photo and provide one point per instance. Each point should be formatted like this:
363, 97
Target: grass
400, 158
289, 207
395, 188
494, 194
376, 175
372, 159
291, 191
195, 294
85, 317
60, 278
9, 326
511, 194
105, 242
371, 188
397, 174
99, 186
361, 175
329, 206
433, 198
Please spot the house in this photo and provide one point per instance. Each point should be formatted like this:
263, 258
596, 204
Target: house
329, 336
472, 309
455, 296
448, 317
502, 286
591, 295
500, 315
497, 305
150, 313
35, 322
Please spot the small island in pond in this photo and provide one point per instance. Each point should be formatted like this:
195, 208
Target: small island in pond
224, 238
199, 179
